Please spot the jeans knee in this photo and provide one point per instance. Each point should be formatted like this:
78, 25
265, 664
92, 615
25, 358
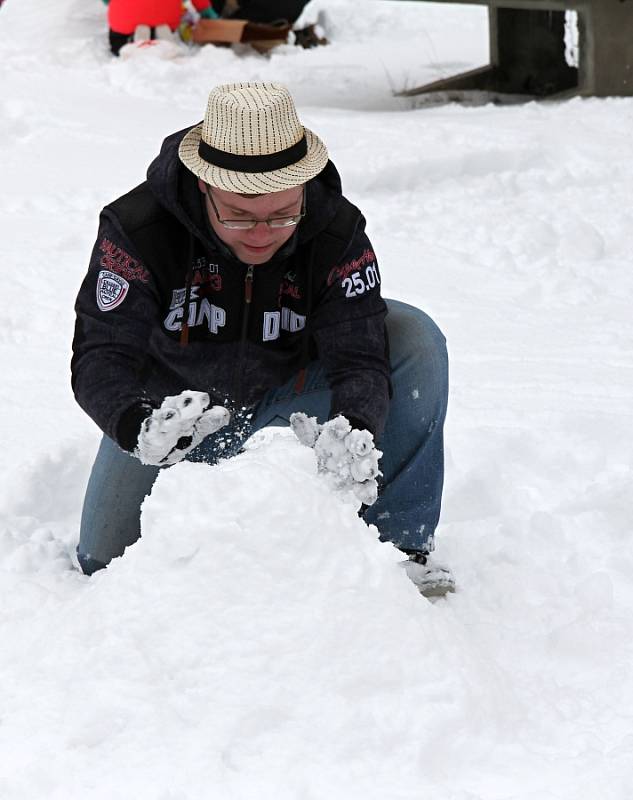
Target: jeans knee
417, 345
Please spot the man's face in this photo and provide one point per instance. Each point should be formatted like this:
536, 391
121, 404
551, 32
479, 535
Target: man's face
255, 245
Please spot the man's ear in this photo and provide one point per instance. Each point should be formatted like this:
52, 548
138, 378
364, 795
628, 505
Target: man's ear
202, 186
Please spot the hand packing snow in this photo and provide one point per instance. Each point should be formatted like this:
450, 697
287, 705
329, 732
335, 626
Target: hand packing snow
348, 458
179, 425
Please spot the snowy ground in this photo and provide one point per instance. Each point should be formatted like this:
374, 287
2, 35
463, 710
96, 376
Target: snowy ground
251, 647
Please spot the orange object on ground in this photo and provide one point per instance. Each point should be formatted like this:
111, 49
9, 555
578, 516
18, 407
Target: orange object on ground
125, 15
218, 30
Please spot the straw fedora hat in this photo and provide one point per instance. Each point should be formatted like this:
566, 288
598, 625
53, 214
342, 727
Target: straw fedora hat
251, 141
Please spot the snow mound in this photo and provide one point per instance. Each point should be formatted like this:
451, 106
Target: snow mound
255, 634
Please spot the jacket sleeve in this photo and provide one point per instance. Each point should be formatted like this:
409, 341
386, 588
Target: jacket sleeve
348, 326
116, 309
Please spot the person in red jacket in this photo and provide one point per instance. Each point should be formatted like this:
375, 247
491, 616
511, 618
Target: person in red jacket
124, 16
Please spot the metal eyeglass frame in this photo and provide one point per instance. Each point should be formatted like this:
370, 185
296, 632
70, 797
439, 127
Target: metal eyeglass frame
249, 224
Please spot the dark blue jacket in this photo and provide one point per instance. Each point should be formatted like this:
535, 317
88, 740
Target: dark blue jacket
157, 265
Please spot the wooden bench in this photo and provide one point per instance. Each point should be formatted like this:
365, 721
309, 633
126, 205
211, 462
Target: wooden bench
527, 50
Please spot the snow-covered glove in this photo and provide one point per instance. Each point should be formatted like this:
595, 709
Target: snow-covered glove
348, 458
179, 425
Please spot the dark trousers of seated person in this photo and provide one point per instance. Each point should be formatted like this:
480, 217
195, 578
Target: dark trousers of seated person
262, 10
118, 40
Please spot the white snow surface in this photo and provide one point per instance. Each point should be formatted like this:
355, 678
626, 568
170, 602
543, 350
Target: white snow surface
259, 641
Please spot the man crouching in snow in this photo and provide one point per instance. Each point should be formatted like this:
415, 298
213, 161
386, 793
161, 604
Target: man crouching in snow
234, 289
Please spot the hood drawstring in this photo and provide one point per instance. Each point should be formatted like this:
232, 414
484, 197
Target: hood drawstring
184, 331
305, 344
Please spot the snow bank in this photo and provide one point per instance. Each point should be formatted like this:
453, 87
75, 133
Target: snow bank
248, 642
259, 641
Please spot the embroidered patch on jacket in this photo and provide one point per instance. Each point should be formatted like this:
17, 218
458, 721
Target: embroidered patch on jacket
289, 289
206, 274
111, 290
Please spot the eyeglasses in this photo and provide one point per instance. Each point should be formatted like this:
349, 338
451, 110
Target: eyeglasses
249, 224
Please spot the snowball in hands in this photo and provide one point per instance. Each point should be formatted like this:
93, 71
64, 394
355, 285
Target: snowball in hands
348, 458
179, 425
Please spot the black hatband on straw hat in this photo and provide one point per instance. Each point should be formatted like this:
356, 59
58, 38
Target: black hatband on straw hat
262, 163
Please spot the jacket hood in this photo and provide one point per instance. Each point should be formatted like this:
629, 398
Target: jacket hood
176, 189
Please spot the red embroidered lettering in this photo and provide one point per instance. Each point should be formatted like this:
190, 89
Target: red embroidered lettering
117, 260
338, 273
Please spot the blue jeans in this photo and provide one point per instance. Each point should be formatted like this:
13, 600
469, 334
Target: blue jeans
408, 507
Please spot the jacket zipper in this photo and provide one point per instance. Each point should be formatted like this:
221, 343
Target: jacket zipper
248, 296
